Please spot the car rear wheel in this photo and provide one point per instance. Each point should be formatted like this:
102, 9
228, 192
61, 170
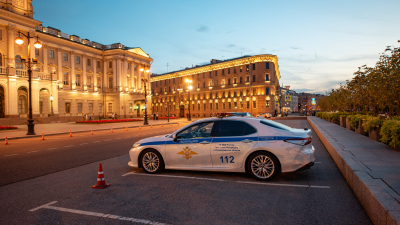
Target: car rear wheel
263, 166
151, 161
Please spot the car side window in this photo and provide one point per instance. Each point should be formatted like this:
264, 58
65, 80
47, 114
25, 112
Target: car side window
227, 128
202, 130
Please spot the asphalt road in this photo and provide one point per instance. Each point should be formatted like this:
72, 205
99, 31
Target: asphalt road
316, 196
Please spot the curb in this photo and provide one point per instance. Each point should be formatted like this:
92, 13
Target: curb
82, 131
380, 206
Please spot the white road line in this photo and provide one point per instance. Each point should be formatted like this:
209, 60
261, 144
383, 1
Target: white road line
51, 148
32, 151
83, 144
195, 178
127, 174
10, 155
88, 213
68, 146
96, 142
285, 185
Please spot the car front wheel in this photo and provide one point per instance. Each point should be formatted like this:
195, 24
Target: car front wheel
263, 166
151, 161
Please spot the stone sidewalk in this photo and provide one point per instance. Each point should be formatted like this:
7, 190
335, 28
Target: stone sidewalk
371, 168
63, 128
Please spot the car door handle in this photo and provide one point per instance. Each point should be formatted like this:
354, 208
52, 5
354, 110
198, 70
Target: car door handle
247, 141
205, 142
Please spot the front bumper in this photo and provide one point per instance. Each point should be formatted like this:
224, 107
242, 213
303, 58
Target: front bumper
134, 155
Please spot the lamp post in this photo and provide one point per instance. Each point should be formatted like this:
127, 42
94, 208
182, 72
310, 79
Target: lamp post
51, 101
29, 63
189, 88
144, 79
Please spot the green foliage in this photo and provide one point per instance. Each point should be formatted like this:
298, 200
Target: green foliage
354, 119
391, 132
371, 122
318, 114
334, 116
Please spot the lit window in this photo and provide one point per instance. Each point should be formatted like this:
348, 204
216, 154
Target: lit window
78, 80
89, 62
65, 56
79, 107
51, 54
77, 59
110, 107
90, 107
65, 78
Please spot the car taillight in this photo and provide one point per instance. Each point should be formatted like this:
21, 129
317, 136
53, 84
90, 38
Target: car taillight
299, 141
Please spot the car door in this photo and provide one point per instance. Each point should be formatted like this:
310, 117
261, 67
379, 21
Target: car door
232, 141
192, 149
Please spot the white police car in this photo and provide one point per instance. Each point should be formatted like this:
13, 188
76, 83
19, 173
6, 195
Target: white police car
259, 147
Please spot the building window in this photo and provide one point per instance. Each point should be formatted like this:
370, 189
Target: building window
90, 107
247, 78
89, 81
229, 70
110, 107
89, 62
234, 70
65, 57
51, 54
192, 106
198, 106
223, 72
254, 104
22, 104
266, 65
229, 81
18, 62
254, 66
204, 75
235, 105
98, 64
254, 91
127, 66
234, 94
241, 69
216, 73
205, 106
216, 105
110, 82
267, 104
248, 104
234, 80
98, 82
210, 75
78, 80
267, 77
241, 105
266, 91
204, 84
223, 105
130, 107
100, 107
247, 67
241, 79
254, 78
65, 78
77, 59
198, 85
1, 34
109, 64
210, 83
216, 83
67, 107
230, 105
223, 82
210, 106
40, 107
36, 51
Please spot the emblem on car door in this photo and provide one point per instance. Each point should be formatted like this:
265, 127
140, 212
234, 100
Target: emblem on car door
187, 153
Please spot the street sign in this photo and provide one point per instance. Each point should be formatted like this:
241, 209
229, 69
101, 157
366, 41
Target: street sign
288, 98
287, 93
186, 105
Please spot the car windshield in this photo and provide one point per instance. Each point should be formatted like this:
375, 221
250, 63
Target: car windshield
275, 125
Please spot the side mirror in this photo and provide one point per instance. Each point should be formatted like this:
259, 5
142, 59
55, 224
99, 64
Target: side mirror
174, 138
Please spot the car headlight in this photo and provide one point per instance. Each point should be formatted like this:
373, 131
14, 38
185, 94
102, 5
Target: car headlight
136, 145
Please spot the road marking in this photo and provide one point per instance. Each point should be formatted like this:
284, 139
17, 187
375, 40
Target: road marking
51, 148
213, 179
96, 142
10, 155
83, 144
284, 185
68, 146
32, 151
88, 213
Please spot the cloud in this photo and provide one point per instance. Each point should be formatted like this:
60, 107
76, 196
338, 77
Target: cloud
295, 48
231, 46
202, 28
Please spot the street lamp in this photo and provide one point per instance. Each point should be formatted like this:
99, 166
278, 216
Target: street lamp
189, 88
51, 101
144, 79
29, 63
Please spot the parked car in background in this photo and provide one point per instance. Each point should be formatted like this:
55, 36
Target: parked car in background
264, 115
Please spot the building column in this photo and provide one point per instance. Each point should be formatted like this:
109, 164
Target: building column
105, 79
12, 95
73, 77
139, 80
124, 75
114, 67
35, 98
59, 67
119, 75
54, 93
45, 55
84, 80
132, 76
10, 45
94, 74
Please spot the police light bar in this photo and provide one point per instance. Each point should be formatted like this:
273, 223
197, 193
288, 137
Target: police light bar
221, 115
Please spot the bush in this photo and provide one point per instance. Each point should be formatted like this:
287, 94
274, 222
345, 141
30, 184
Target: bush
371, 122
318, 114
391, 132
334, 116
354, 119
344, 114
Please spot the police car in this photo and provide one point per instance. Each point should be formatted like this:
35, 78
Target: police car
260, 147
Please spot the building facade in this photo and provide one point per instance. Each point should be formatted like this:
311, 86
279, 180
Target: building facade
309, 101
73, 76
244, 84
289, 104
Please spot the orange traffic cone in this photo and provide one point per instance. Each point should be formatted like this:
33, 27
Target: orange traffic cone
140, 128
126, 128
6, 142
151, 125
171, 124
42, 137
70, 134
111, 130
91, 132
101, 182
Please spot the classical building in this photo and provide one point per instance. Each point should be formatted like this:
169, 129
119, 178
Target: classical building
289, 100
309, 101
73, 76
244, 84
